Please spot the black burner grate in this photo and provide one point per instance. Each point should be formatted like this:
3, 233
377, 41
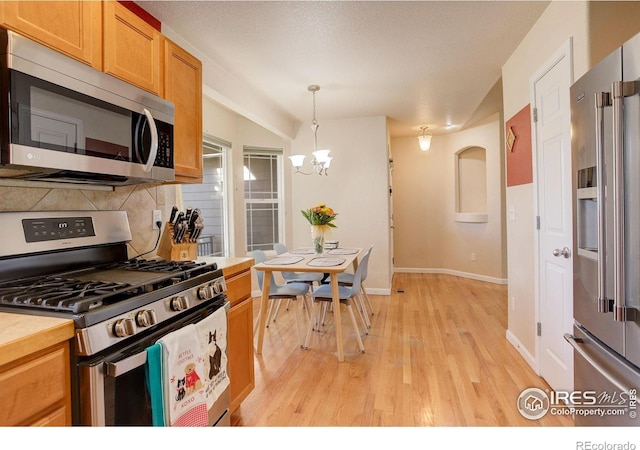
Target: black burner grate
163, 266
64, 294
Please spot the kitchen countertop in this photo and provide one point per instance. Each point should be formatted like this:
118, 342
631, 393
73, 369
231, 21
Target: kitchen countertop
229, 265
22, 334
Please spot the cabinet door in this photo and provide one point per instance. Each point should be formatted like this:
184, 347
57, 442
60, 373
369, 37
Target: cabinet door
183, 87
240, 352
70, 27
36, 389
132, 48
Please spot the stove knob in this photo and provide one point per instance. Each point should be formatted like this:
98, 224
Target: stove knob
218, 287
179, 303
124, 327
146, 318
205, 292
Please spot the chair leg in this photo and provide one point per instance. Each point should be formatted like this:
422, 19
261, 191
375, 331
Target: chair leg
362, 315
271, 303
305, 304
275, 315
366, 298
314, 311
355, 327
363, 309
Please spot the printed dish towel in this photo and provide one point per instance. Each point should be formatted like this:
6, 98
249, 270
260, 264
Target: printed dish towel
212, 332
183, 370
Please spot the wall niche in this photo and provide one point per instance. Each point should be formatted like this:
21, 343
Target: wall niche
471, 185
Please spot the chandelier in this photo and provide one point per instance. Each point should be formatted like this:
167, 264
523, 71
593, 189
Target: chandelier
321, 159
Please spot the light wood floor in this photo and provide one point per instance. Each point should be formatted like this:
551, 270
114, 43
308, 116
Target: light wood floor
436, 355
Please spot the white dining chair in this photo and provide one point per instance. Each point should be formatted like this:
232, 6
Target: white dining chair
346, 279
295, 277
346, 294
277, 292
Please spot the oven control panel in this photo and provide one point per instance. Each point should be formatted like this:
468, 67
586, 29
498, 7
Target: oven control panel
95, 338
51, 229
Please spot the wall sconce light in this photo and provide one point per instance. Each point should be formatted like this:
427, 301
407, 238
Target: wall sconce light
321, 159
424, 139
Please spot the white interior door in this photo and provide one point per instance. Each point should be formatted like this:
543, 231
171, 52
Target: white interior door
555, 236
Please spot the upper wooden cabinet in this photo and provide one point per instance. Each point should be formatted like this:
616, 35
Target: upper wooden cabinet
183, 87
70, 27
131, 48
112, 38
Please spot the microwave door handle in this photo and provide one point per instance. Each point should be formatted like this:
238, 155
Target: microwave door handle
605, 305
153, 150
115, 369
619, 90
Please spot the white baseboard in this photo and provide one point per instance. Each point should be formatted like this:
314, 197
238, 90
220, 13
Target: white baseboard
528, 357
455, 273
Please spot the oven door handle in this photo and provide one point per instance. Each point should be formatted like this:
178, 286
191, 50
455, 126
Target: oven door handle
115, 369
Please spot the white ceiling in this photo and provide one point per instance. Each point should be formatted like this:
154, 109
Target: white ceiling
417, 62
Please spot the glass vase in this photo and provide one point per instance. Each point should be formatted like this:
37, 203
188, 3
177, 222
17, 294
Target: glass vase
317, 238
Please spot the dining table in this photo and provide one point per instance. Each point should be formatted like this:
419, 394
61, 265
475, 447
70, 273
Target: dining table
332, 262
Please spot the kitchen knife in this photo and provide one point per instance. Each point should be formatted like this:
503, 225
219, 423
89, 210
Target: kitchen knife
188, 213
182, 228
192, 222
196, 233
174, 211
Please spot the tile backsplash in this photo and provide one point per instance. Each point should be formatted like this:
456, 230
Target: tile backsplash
138, 201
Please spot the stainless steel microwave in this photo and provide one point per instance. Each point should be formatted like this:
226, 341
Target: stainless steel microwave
63, 121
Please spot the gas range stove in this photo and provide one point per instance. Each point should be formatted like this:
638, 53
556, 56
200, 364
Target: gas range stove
73, 265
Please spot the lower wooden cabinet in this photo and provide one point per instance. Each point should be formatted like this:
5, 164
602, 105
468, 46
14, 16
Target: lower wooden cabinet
240, 348
240, 331
35, 390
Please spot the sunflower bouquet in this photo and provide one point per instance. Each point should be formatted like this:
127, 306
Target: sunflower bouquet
320, 214
321, 218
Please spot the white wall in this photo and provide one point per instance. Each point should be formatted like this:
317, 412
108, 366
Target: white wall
356, 188
560, 22
426, 236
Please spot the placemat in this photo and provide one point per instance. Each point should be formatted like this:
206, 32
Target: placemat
302, 251
343, 251
325, 261
284, 260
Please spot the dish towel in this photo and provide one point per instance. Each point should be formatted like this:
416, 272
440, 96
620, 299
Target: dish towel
185, 402
212, 332
153, 373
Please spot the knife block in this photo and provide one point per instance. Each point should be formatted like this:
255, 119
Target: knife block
169, 250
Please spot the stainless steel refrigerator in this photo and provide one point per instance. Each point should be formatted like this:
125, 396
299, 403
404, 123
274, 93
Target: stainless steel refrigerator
605, 144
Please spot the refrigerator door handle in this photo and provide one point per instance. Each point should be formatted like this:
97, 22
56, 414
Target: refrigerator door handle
575, 343
605, 305
619, 90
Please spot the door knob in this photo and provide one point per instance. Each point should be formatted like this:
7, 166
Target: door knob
564, 252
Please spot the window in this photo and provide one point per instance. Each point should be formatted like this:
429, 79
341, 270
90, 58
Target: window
262, 194
210, 198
